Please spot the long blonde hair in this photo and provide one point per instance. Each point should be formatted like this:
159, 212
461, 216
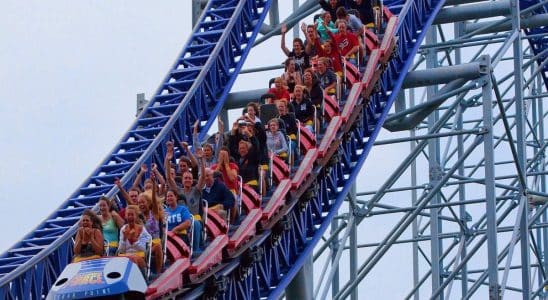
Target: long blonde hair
153, 205
137, 211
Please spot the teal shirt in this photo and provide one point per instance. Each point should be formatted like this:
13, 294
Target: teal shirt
110, 231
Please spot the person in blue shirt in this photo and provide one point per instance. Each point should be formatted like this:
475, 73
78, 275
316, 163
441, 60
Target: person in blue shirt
179, 219
218, 196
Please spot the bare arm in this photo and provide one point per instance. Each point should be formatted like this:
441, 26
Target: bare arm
220, 138
352, 51
97, 241
160, 178
182, 226
193, 160
77, 242
201, 178
283, 31
139, 177
155, 207
167, 166
123, 191
117, 219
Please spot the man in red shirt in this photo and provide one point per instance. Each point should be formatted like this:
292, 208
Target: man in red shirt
347, 42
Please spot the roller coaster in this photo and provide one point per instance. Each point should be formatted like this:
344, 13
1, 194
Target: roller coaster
470, 189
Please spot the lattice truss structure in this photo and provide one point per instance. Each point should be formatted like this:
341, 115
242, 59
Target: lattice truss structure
450, 204
460, 210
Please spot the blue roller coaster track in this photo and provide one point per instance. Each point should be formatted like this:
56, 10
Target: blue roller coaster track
196, 88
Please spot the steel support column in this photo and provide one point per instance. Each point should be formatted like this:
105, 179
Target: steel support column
301, 287
435, 174
490, 203
522, 154
353, 206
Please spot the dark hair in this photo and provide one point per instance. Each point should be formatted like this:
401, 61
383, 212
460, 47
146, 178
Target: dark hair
95, 221
135, 189
287, 62
298, 40
177, 196
255, 107
112, 205
341, 13
185, 159
225, 148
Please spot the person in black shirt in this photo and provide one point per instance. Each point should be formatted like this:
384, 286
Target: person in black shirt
304, 109
331, 7
365, 9
289, 123
302, 60
248, 165
313, 88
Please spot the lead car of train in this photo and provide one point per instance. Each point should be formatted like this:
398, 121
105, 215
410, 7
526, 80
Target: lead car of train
102, 278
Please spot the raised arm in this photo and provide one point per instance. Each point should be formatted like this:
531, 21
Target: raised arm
195, 132
117, 219
123, 191
225, 161
139, 177
220, 138
167, 166
283, 31
155, 207
201, 176
160, 178
193, 160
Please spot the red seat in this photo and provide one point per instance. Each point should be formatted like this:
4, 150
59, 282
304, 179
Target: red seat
330, 106
246, 230
276, 201
176, 247
212, 256
372, 73
330, 135
215, 225
371, 41
352, 99
170, 280
280, 169
305, 168
250, 198
389, 41
352, 74
307, 139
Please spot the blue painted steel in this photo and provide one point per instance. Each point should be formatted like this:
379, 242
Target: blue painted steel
537, 36
195, 88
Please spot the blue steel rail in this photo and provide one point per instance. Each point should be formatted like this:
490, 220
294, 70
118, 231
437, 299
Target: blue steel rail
268, 266
537, 36
194, 89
